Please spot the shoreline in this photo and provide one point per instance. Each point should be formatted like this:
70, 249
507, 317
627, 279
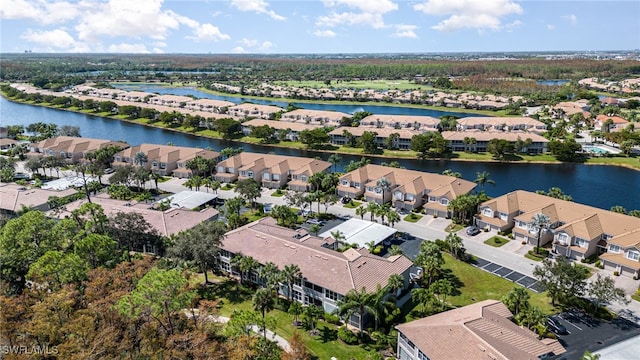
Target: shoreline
381, 156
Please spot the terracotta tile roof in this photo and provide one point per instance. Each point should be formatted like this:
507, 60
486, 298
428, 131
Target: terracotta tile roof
315, 114
493, 121
477, 331
280, 124
167, 153
621, 260
75, 144
628, 239
295, 164
13, 196
339, 272
381, 132
488, 135
168, 222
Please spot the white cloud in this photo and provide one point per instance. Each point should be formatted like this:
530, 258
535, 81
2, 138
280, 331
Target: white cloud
471, 14
573, 20
257, 6
324, 33
551, 27
248, 42
55, 40
405, 31
39, 11
208, 32
366, 12
128, 48
238, 50
265, 46
513, 25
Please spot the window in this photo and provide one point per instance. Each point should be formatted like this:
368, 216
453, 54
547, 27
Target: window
487, 212
231, 170
250, 173
356, 185
118, 158
422, 356
331, 295
444, 201
266, 176
243, 173
127, 159
220, 169
378, 190
606, 236
614, 248
225, 253
432, 198
276, 176
155, 164
297, 295
345, 182
633, 255
582, 243
163, 165
563, 238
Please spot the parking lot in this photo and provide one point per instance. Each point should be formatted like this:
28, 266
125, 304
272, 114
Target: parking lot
506, 273
586, 333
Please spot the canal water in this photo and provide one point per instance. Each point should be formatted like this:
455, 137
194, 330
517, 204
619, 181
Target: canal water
600, 186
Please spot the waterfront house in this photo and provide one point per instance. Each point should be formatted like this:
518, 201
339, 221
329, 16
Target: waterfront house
327, 275
576, 231
411, 122
271, 171
478, 141
623, 254
489, 123
291, 129
6, 143
248, 110
70, 148
617, 123
163, 159
315, 117
408, 189
209, 105
479, 331
401, 141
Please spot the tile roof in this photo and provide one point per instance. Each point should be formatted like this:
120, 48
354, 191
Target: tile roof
75, 144
339, 272
280, 124
13, 196
488, 135
477, 331
295, 164
167, 153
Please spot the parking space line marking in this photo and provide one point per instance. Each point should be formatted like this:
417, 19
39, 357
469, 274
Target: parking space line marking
497, 270
523, 276
508, 273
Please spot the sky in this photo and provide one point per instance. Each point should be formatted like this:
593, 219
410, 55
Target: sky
317, 26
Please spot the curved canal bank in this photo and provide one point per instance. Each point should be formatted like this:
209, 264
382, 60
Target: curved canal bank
599, 185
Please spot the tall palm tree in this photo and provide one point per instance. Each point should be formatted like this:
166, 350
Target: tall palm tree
334, 159
393, 217
539, 222
372, 207
384, 185
517, 300
482, 179
291, 273
423, 296
263, 302
338, 236
395, 283
382, 305
359, 302
454, 242
361, 211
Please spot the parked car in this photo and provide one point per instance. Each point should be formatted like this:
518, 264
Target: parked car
473, 230
315, 222
267, 208
345, 199
555, 326
108, 170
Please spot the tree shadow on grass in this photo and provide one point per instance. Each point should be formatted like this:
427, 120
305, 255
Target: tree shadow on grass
455, 281
230, 290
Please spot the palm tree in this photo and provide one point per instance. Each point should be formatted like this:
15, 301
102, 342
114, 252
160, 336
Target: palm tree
423, 296
361, 211
517, 300
372, 207
454, 242
442, 288
393, 217
539, 222
315, 229
263, 302
395, 283
360, 302
384, 185
483, 178
295, 309
140, 158
291, 273
244, 264
334, 159
155, 177
270, 276
382, 305
338, 236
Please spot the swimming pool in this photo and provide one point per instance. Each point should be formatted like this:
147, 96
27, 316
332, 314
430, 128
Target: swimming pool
594, 149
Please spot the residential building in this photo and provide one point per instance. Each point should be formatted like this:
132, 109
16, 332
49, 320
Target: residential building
623, 254
401, 141
315, 117
163, 159
479, 331
71, 148
408, 189
617, 123
272, 171
292, 129
248, 110
209, 105
488, 123
411, 122
166, 223
14, 197
6, 143
171, 100
478, 141
577, 231
327, 275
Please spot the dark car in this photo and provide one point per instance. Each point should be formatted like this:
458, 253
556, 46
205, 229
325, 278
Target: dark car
345, 200
472, 230
555, 326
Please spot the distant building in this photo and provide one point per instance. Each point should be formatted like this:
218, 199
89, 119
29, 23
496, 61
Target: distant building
163, 159
478, 331
14, 197
70, 148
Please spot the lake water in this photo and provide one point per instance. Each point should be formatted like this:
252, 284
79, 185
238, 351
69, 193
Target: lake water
552, 82
600, 186
349, 109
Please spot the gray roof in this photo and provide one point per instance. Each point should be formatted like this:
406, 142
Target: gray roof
361, 232
190, 199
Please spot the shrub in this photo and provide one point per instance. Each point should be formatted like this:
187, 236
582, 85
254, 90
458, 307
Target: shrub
378, 249
598, 264
524, 242
616, 273
332, 319
442, 245
510, 236
347, 336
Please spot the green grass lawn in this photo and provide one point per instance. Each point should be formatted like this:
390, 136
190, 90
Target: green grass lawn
534, 257
236, 297
352, 204
412, 218
453, 227
477, 285
278, 193
496, 241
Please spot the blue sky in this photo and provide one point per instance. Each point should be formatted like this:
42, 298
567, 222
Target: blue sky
317, 26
